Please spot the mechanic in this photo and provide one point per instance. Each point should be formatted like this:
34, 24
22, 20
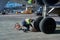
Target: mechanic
27, 23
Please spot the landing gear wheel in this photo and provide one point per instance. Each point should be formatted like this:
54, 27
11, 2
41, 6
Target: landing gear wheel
47, 25
36, 23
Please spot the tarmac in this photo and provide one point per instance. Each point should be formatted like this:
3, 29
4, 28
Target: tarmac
8, 32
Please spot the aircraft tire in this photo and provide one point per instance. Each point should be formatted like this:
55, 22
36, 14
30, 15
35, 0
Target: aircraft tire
36, 23
47, 25
59, 15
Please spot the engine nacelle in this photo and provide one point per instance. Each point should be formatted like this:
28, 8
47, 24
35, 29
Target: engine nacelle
48, 2
40, 2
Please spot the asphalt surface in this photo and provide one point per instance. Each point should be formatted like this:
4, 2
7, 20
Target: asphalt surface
8, 32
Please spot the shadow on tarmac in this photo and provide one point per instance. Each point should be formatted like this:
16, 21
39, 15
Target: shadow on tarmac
57, 32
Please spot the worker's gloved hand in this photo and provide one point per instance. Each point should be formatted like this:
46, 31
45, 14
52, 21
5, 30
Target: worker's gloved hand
24, 29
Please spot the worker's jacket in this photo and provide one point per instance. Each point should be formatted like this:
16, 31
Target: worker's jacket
29, 1
26, 22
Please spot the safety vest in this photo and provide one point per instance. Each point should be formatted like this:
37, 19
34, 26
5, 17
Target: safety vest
27, 21
29, 1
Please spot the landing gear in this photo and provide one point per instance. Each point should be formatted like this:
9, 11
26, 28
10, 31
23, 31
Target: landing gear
47, 25
36, 23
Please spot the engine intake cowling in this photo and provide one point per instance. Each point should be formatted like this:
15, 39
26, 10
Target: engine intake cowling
48, 2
